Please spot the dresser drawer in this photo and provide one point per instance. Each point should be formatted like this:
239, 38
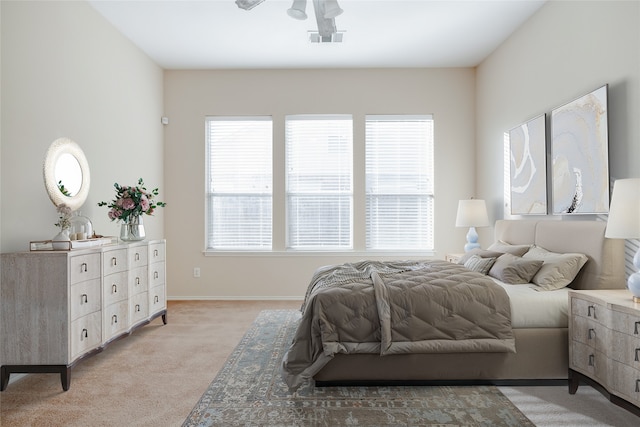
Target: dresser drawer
139, 307
156, 270
84, 267
115, 261
85, 298
156, 299
116, 319
86, 334
156, 252
137, 256
625, 382
115, 288
138, 281
589, 310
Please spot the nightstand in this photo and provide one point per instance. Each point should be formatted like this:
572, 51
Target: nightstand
604, 345
454, 258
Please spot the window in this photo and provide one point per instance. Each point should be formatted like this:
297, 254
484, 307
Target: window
399, 182
239, 183
319, 188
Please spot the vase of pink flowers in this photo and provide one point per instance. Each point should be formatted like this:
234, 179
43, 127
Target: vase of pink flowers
130, 204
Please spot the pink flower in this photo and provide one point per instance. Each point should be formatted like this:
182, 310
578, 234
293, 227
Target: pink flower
144, 203
128, 203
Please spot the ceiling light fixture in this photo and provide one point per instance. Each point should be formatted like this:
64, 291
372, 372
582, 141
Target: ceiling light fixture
297, 10
325, 11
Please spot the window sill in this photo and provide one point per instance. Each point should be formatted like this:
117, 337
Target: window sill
361, 254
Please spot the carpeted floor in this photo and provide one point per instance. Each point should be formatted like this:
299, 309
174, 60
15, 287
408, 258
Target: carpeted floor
249, 391
154, 377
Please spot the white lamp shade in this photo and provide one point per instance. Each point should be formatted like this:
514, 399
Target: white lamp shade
472, 213
297, 10
331, 9
624, 212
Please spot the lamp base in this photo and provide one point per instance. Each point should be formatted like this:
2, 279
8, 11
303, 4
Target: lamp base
472, 240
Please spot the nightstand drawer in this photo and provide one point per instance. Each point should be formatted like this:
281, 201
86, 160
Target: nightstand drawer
625, 349
626, 323
625, 382
589, 361
589, 332
589, 310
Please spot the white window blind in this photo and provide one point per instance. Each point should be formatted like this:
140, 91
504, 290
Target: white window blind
399, 182
239, 183
319, 182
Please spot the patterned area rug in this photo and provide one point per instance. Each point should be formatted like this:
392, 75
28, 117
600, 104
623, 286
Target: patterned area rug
248, 391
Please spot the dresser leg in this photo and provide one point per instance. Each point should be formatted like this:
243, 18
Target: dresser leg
164, 318
65, 378
574, 382
4, 378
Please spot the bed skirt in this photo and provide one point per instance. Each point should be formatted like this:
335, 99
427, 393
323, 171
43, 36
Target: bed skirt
542, 355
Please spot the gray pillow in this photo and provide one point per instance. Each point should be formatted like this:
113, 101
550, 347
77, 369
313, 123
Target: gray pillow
479, 264
558, 270
517, 250
482, 253
514, 270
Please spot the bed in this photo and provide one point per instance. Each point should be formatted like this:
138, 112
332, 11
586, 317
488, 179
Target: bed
533, 350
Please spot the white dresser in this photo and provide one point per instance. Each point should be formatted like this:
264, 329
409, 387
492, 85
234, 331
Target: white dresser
58, 307
604, 347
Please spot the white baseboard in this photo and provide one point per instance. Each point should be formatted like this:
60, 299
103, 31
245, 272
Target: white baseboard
234, 298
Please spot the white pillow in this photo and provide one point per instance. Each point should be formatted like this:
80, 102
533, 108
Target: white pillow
479, 264
558, 270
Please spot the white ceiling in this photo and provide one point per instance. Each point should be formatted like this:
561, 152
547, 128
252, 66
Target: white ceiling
213, 34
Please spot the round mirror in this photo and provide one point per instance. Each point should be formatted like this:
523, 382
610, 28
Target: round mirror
66, 173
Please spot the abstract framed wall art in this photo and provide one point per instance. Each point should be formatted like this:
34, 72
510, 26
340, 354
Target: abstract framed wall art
580, 155
528, 167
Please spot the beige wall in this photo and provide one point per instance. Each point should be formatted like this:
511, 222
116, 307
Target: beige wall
448, 94
564, 51
67, 72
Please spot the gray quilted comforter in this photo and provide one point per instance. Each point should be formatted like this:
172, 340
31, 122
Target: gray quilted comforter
397, 307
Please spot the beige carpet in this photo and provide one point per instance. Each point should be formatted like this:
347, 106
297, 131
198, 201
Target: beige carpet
155, 376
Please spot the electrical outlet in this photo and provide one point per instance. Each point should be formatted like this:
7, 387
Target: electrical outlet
196, 272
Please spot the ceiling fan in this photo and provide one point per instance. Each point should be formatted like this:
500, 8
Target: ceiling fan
325, 11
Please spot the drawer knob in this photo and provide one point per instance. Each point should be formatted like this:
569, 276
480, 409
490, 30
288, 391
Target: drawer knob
137, 281
592, 333
136, 256
83, 267
114, 261
114, 288
156, 299
85, 333
114, 319
635, 331
591, 307
637, 386
592, 359
84, 298
637, 352
137, 307
155, 275
155, 252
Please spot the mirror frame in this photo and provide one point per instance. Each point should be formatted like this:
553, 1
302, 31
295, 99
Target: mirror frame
57, 148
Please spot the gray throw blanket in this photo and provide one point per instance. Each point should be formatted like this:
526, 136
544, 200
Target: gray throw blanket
397, 307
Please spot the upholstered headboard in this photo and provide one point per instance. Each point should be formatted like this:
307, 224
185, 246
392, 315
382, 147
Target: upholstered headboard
605, 268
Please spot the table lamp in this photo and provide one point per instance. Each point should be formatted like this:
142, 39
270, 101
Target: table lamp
472, 213
624, 222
